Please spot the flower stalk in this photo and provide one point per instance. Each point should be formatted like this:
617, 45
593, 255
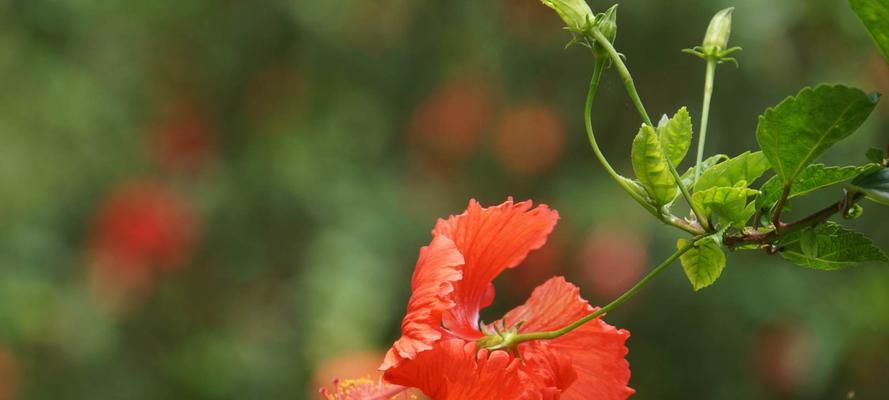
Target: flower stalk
714, 50
513, 340
705, 115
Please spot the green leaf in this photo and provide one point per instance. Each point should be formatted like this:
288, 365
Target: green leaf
703, 263
808, 242
875, 155
875, 185
675, 135
729, 203
829, 246
689, 176
746, 167
814, 177
875, 16
651, 166
801, 128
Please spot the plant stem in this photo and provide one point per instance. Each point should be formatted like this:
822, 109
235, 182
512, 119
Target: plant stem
524, 337
779, 206
697, 212
587, 118
634, 96
705, 115
624, 74
623, 182
814, 219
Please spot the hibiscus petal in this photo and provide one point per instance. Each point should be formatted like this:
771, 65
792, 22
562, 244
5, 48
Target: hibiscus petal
455, 370
432, 287
597, 350
547, 370
491, 240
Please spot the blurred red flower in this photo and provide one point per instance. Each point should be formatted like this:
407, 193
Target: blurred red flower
140, 228
448, 125
182, 140
612, 259
144, 224
529, 139
437, 351
784, 354
9, 375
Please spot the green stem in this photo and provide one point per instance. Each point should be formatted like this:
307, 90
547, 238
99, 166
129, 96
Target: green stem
524, 337
705, 116
623, 182
678, 178
634, 96
624, 74
587, 118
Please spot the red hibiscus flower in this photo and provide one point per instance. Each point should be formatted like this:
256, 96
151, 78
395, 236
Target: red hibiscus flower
437, 352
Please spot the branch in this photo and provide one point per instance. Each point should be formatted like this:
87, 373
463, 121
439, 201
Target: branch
766, 238
776, 213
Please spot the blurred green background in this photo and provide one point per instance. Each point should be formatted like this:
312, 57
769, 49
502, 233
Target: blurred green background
224, 199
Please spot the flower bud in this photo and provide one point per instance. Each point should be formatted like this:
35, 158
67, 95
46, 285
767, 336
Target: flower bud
607, 24
575, 13
716, 38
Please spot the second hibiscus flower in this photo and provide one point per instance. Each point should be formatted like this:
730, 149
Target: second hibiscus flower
438, 352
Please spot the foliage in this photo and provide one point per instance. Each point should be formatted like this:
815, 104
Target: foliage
802, 127
653, 147
875, 16
830, 246
703, 264
792, 135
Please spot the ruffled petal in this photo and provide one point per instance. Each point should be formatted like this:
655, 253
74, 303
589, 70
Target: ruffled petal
432, 287
597, 350
549, 371
454, 370
491, 240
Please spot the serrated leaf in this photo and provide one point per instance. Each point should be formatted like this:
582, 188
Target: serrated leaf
651, 166
875, 185
814, 177
799, 129
675, 135
746, 167
703, 263
875, 155
729, 203
833, 247
874, 14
